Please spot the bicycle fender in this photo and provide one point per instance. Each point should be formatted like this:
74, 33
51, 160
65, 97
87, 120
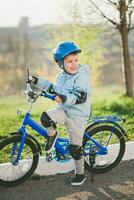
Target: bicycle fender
32, 138
108, 122
36, 142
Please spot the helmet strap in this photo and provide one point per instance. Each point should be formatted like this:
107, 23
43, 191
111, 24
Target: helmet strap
61, 65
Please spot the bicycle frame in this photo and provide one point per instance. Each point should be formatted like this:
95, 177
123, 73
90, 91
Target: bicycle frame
103, 145
113, 120
27, 121
60, 142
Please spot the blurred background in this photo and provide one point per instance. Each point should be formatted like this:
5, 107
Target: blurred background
104, 29
29, 30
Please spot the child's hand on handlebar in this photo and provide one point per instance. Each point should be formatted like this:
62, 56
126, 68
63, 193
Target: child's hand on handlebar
32, 79
60, 98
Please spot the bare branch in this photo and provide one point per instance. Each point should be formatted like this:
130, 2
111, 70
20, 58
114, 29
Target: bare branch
130, 12
131, 9
113, 3
129, 2
129, 24
102, 14
132, 27
130, 6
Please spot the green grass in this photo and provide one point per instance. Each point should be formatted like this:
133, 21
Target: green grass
117, 105
10, 121
105, 105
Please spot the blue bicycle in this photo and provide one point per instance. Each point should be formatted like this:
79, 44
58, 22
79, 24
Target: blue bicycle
103, 147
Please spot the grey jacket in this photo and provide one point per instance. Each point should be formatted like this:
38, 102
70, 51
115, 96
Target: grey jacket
67, 85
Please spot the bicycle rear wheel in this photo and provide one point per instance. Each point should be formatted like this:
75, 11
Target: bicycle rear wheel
111, 138
13, 174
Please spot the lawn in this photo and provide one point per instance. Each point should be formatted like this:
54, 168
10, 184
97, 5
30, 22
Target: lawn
100, 105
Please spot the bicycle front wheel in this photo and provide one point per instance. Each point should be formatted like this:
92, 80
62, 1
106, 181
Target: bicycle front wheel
13, 174
111, 138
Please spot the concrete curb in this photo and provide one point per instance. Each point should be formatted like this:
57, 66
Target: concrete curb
50, 168
54, 167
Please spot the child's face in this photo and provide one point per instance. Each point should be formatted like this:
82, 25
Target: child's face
71, 63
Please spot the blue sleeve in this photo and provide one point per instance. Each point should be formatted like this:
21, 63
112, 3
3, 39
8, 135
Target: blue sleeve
43, 84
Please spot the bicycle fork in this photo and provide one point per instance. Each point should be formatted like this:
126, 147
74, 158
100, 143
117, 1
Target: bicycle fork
16, 151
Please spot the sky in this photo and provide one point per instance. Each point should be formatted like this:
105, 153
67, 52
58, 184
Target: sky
38, 11
44, 11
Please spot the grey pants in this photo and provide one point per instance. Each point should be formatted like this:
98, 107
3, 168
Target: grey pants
75, 128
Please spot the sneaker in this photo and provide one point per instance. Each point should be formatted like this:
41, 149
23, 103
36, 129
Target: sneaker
51, 142
78, 179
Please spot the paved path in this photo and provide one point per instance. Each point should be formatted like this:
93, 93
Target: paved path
118, 184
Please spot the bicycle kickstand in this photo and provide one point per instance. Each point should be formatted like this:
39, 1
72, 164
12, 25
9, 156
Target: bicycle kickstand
92, 162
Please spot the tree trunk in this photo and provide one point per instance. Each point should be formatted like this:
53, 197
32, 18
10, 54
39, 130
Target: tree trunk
127, 72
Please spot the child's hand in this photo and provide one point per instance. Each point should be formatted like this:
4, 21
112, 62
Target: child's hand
58, 99
32, 79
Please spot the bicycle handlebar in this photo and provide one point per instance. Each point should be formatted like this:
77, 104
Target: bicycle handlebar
34, 95
49, 96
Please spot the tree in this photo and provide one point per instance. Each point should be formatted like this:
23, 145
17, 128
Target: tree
86, 35
125, 10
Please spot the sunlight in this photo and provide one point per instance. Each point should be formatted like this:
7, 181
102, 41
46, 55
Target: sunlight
124, 188
78, 195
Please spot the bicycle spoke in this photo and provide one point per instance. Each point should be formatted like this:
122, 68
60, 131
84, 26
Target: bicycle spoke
101, 137
8, 171
113, 140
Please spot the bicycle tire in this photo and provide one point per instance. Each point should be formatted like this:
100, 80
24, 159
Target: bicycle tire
22, 166
106, 167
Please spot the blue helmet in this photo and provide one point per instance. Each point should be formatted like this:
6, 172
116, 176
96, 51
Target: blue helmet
62, 50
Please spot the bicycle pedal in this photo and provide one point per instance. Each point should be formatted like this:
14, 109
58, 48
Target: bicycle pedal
49, 157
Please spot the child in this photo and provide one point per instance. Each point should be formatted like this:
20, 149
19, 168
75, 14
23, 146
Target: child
72, 97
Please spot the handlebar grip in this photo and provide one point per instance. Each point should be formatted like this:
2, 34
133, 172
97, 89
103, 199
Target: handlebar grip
49, 96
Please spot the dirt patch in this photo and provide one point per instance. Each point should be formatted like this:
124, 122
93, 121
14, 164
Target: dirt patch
114, 185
